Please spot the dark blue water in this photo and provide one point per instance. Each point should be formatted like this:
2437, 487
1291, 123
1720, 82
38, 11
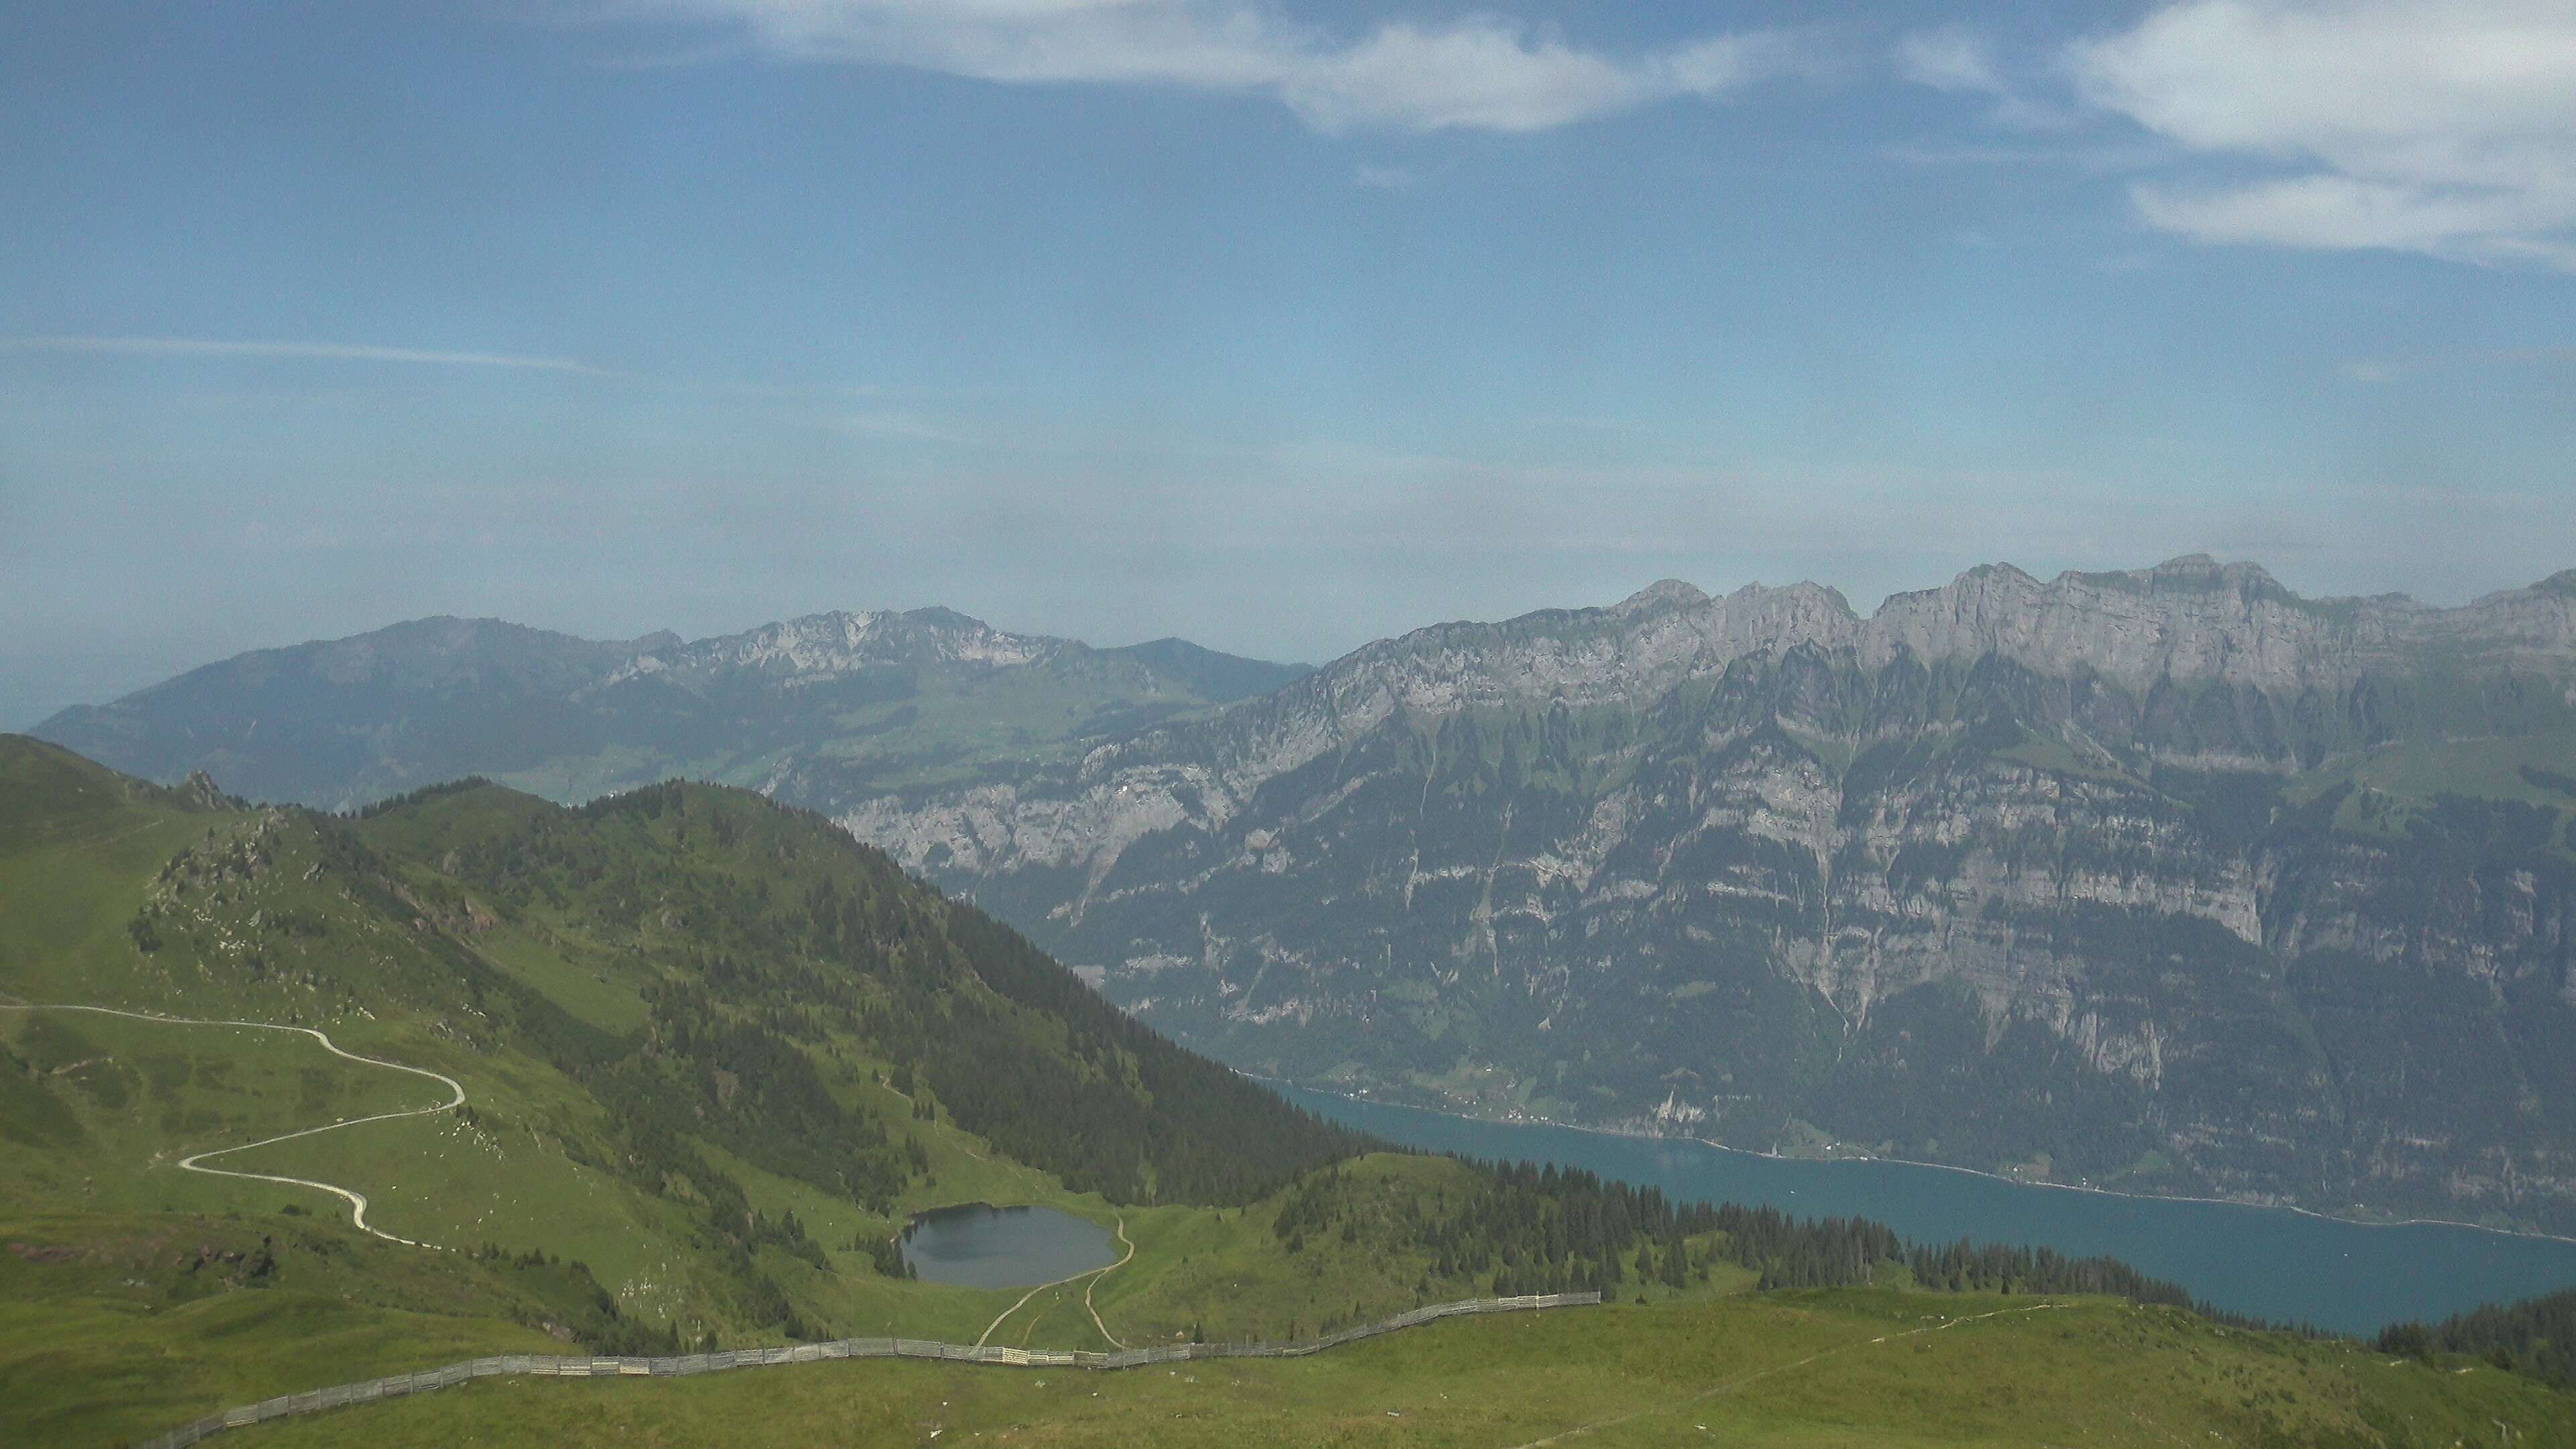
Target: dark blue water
2282, 1265
1014, 1247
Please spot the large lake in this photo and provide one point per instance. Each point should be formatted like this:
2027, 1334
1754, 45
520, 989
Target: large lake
1013, 1247
2282, 1265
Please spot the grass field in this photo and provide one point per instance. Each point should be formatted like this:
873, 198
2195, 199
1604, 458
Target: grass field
127, 1291
2395, 784
115, 1324
1844, 1369
258, 919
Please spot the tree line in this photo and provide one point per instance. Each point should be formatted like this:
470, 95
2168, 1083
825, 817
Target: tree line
1538, 1228
2536, 1336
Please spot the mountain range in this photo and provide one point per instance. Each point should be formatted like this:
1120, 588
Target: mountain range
824, 705
2168, 880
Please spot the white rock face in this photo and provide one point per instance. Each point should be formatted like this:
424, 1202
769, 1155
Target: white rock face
2187, 622
826, 646
1762, 841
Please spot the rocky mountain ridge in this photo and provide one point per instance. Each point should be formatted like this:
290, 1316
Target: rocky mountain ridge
828, 645
2167, 878
2187, 622
878, 698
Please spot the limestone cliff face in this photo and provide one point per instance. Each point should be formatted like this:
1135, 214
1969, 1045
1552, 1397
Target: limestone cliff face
2155, 874
2193, 620
823, 647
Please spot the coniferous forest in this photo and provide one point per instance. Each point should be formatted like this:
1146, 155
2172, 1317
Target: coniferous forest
2536, 1336
786, 940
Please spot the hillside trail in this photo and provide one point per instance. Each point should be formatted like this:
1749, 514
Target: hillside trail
356, 1200
912, 1100
1095, 1282
1731, 1385
1094, 1274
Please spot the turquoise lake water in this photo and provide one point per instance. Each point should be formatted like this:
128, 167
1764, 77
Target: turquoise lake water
2351, 1277
1015, 1247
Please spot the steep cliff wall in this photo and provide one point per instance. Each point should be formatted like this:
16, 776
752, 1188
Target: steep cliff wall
2167, 880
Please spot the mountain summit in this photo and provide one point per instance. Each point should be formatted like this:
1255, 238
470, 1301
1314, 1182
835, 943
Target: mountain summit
863, 701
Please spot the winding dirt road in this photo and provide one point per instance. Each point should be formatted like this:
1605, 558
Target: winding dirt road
1094, 1274
356, 1200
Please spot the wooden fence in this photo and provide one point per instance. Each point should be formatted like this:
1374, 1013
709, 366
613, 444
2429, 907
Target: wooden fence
682, 1365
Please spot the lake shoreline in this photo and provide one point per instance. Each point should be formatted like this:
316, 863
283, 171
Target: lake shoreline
2531, 1235
982, 1245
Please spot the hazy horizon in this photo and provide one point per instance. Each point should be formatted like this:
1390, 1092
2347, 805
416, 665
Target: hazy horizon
145, 672
1278, 327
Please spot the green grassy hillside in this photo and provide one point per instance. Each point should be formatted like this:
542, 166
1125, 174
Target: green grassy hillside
714, 1053
1844, 1369
714, 1056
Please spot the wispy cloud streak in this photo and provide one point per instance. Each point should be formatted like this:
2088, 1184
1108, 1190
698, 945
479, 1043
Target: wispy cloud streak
304, 351
1471, 73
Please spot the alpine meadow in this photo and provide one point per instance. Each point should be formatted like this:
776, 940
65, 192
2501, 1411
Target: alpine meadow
1443, 724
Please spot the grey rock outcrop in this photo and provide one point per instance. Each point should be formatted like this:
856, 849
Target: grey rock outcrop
2168, 879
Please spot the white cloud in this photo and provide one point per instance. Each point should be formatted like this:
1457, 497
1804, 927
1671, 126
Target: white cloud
1961, 62
2447, 129
1949, 60
308, 351
1475, 73
2391, 369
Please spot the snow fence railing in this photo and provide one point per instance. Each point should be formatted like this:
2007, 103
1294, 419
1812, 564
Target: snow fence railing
682, 1365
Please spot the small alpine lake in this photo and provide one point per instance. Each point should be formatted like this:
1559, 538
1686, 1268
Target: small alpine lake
2276, 1263
977, 1245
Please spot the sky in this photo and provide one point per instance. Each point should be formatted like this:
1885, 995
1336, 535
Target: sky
1280, 326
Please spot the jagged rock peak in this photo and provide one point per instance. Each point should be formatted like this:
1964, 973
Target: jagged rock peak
202, 791
1997, 573
1664, 593
2188, 619
2183, 564
939, 617
2200, 571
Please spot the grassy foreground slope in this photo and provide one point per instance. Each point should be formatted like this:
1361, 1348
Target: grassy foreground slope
1845, 1368
715, 1054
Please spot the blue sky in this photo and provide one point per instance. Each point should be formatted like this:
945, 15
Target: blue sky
1280, 326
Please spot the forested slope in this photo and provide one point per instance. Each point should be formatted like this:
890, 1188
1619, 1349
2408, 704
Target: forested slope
713, 1048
